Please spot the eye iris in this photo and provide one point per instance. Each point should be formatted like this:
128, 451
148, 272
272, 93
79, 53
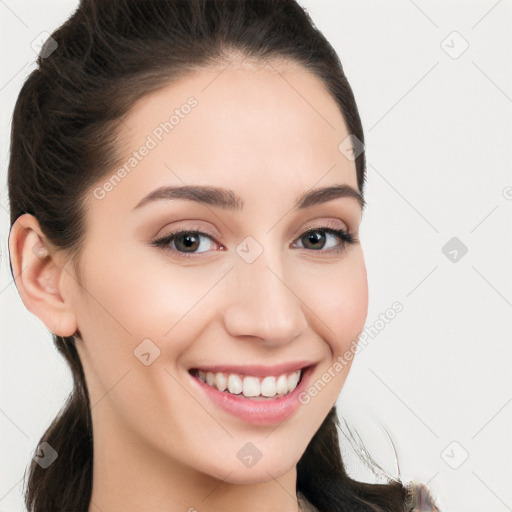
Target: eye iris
313, 236
189, 240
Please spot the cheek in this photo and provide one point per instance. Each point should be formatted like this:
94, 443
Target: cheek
129, 302
339, 305
125, 303
143, 298
339, 300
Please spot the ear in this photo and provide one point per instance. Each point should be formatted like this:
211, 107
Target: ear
40, 276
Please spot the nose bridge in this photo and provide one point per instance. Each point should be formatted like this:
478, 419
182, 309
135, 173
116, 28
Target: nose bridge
262, 302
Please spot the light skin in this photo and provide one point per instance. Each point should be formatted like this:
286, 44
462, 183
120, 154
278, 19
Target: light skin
159, 445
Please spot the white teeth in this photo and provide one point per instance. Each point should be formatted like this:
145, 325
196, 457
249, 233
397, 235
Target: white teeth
268, 387
293, 380
221, 381
235, 385
281, 384
251, 386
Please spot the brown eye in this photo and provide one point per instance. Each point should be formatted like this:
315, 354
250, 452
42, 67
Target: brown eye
185, 243
316, 239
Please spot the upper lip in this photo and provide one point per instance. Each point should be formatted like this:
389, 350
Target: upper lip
256, 370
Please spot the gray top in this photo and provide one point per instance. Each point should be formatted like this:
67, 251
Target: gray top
419, 499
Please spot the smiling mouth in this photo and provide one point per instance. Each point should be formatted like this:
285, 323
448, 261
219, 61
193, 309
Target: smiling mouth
249, 386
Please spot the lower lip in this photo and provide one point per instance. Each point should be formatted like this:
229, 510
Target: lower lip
258, 412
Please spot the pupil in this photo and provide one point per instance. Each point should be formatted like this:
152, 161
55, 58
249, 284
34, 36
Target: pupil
315, 237
189, 240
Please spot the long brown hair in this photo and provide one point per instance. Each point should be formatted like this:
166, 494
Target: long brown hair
97, 64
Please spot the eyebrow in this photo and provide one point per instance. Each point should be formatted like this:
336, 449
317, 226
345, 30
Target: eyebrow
227, 199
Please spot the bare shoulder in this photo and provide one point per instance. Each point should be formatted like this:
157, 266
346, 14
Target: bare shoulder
421, 499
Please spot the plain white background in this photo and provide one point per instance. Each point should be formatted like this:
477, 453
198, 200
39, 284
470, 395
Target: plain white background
432, 80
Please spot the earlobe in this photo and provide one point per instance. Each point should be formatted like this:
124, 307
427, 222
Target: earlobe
40, 277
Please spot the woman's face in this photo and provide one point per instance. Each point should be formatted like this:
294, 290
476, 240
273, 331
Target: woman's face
251, 294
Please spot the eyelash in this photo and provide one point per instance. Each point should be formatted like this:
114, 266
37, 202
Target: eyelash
163, 242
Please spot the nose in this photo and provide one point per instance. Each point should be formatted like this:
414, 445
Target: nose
262, 303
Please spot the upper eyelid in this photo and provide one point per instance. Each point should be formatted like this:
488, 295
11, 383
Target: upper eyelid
314, 224
203, 232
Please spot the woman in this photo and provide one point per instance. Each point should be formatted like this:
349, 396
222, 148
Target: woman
182, 175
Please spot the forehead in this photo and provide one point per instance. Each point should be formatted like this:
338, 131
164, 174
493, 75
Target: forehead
245, 127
